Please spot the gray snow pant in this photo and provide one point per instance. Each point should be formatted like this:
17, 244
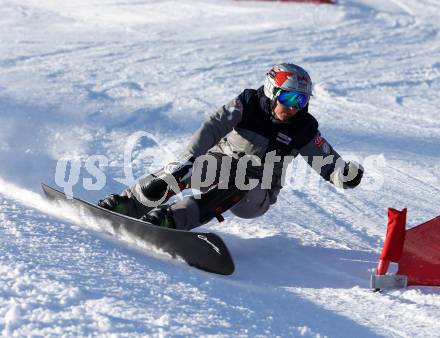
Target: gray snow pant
187, 213
191, 212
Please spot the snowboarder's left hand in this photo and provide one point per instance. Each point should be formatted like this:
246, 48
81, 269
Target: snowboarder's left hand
352, 168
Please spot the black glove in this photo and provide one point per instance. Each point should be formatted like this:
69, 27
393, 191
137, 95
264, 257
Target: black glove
116, 203
155, 189
158, 185
349, 169
180, 169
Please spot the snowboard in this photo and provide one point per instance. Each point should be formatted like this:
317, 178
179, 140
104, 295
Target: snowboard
205, 251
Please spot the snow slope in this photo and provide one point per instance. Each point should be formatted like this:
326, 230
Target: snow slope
79, 78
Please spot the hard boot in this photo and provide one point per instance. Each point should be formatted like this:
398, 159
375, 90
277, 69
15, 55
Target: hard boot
160, 216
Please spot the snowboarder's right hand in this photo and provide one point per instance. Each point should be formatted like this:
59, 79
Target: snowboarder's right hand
180, 169
169, 180
116, 203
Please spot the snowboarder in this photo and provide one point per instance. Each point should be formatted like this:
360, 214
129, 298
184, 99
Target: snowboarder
267, 127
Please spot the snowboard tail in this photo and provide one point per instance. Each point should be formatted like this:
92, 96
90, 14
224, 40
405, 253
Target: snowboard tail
205, 251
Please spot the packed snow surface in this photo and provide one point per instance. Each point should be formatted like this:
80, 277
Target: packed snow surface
81, 81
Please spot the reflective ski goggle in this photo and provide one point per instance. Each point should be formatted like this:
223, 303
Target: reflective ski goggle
292, 99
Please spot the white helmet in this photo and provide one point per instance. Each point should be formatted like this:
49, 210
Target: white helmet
289, 77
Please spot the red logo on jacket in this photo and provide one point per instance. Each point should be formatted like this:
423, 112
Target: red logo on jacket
319, 141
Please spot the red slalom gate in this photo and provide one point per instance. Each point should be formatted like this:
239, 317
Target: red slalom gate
416, 251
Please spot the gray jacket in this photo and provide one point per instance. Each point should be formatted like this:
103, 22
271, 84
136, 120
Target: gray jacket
245, 126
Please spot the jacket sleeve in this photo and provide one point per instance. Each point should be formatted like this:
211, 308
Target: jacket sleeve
321, 156
216, 127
